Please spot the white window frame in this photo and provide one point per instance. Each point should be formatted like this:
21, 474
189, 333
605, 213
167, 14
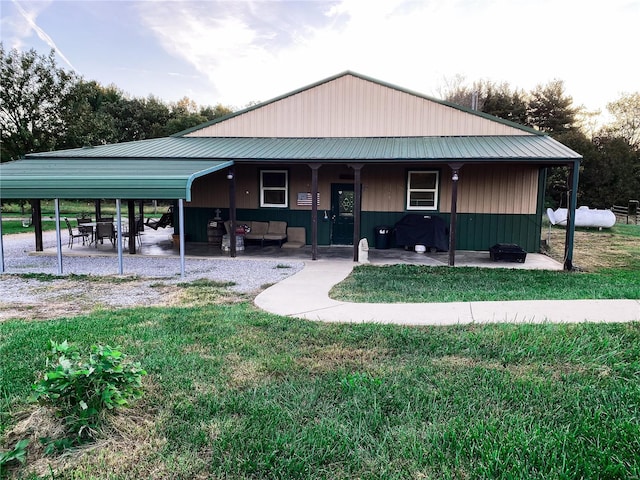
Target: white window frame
264, 189
434, 190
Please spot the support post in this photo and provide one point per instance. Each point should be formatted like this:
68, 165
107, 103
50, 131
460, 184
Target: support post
571, 216
36, 218
314, 210
357, 206
131, 212
231, 176
181, 223
119, 235
1, 245
56, 204
455, 167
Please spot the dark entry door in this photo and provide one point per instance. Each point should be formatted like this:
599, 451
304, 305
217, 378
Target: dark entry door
342, 202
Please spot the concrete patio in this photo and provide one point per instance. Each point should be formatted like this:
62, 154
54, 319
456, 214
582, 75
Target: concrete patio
159, 243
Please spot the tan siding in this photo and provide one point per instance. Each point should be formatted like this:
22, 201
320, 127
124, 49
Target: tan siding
353, 107
495, 189
498, 189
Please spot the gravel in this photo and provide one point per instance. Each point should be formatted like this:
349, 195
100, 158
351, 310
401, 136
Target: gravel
149, 280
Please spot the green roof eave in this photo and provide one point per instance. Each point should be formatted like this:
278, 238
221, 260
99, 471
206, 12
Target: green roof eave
90, 178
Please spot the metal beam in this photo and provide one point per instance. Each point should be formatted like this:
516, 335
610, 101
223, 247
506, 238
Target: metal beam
571, 216
119, 235
181, 223
56, 203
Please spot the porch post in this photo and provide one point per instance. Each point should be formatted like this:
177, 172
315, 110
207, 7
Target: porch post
181, 224
36, 218
131, 212
314, 209
119, 235
571, 216
357, 206
231, 176
455, 167
98, 209
56, 204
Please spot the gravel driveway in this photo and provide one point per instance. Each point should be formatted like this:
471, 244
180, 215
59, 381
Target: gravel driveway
148, 281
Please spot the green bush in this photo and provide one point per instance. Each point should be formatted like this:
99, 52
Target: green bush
80, 389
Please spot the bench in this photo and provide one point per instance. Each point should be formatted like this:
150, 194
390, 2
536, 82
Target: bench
260, 231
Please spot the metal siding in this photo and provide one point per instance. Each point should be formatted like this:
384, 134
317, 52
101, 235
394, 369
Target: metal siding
350, 106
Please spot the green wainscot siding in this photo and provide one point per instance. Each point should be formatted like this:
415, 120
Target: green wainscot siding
474, 231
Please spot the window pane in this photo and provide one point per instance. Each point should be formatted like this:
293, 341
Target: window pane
421, 199
423, 180
274, 197
274, 179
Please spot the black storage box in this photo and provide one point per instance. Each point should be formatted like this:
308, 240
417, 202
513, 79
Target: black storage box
508, 252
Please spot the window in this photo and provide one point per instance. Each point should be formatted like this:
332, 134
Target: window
422, 190
274, 188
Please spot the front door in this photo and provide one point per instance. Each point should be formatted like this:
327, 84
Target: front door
342, 202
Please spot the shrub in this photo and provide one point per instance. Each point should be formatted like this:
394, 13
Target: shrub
80, 389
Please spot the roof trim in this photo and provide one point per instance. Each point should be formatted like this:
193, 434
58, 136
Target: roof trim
368, 79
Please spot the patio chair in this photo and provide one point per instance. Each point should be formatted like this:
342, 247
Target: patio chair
296, 237
87, 229
137, 232
73, 234
166, 220
105, 230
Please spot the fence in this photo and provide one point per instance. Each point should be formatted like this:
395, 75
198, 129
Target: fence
630, 213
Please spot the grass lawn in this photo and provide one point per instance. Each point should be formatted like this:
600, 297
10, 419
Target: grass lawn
611, 258
236, 393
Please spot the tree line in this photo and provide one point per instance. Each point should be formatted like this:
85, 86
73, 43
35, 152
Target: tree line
44, 107
610, 169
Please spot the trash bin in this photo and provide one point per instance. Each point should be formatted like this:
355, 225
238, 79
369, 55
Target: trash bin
383, 237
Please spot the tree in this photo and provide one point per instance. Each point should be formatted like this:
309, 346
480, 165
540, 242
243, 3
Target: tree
626, 113
551, 110
86, 117
32, 89
501, 101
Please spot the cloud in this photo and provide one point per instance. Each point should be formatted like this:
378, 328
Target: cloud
255, 50
29, 24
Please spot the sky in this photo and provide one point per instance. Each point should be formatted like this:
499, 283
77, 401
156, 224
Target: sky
237, 52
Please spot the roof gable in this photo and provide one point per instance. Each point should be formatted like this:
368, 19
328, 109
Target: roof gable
352, 105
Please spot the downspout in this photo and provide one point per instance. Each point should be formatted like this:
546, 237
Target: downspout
571, 216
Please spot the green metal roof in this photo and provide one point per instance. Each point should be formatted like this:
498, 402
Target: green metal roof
531, 148
165, 167
81, 177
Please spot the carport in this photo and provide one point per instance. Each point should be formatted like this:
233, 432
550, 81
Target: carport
79, 177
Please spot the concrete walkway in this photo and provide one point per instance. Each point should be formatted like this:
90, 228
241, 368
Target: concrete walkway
306, 295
